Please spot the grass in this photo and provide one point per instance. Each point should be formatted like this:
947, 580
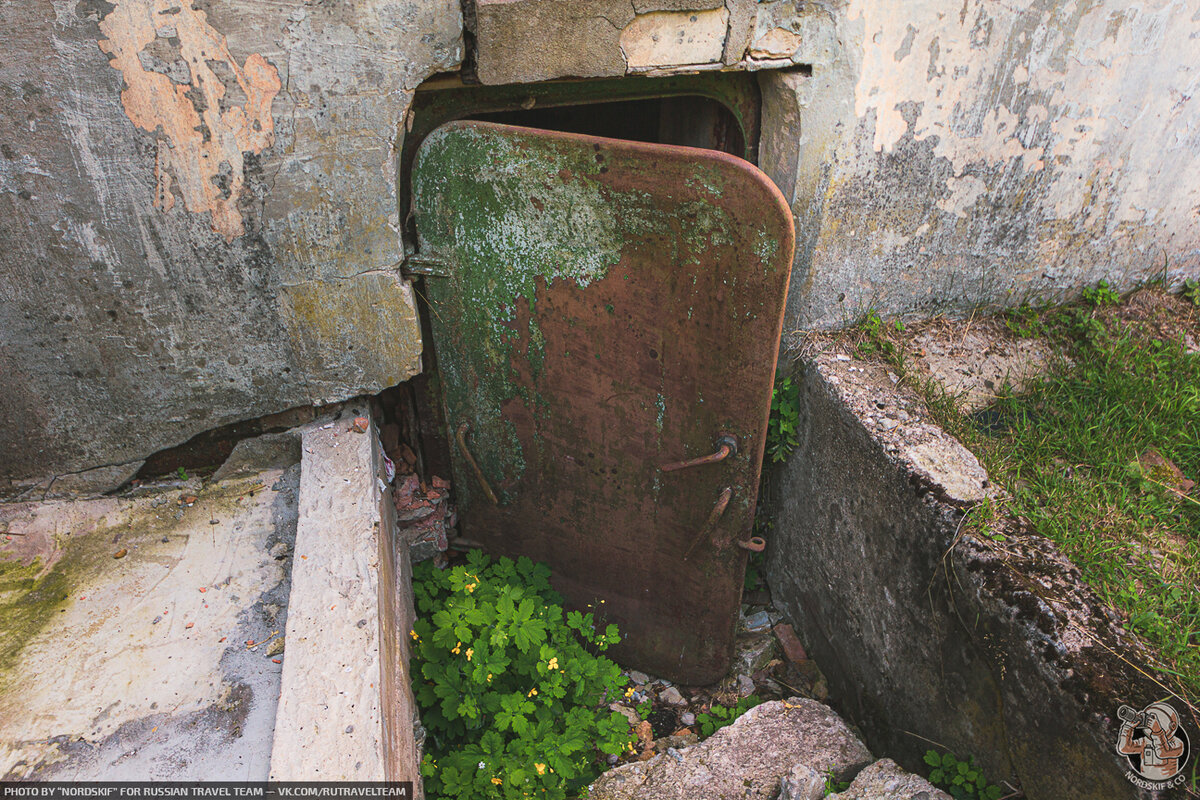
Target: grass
1071, 454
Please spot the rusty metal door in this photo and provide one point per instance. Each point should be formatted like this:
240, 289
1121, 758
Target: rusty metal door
606, 312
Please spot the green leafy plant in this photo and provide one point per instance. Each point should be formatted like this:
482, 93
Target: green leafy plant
1191, 291
833, 785
511, 690
719, 716
784, 421
1101, 295
876, 341
182, 473
644, 708
1025, 321
961, 779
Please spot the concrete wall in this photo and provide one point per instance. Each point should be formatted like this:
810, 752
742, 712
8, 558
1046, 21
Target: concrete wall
198, 214
955, 153
199, 203
930, 634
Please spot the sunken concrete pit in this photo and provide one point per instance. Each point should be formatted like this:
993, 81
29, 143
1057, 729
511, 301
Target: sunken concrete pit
219, 630
995, 649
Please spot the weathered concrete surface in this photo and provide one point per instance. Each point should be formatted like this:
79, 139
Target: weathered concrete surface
995, 648
747, 759
975, 361
964, 153
182, 233
141, 666
672, 38
885, 780
346, 710
521, 41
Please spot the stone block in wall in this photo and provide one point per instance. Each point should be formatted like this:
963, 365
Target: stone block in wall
155, 209
358, 333
521, 41
673, 38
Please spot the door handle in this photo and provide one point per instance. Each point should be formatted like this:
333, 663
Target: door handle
726, 447
461, 436
713, 518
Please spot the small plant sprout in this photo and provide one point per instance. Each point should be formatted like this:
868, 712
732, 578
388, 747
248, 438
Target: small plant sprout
719, 716
962, 779
784, 422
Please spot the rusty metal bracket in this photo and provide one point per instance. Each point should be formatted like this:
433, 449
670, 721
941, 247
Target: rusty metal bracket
713, 518
726, 447
461, 436
415, 266
755, 544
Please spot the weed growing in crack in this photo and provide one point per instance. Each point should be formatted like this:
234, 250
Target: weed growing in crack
719, 716
1191, 291
1101, 295
784, 422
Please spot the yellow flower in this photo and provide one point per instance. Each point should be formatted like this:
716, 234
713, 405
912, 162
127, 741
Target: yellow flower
497, 781
532, 692
457, 648
489, 677
413, 634
629, 692
470, 652
553, 663
470, 587
541, 768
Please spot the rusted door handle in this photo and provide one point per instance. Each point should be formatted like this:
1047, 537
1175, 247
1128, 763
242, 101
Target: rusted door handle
726, 447
461, 436
713, 518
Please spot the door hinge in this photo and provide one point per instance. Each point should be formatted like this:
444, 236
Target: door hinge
429, 266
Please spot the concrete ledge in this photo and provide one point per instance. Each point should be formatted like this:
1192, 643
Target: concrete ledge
345, 710
996, 649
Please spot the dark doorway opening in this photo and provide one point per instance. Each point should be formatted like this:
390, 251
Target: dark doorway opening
691, 121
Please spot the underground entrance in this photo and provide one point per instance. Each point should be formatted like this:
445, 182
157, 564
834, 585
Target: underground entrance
604, 276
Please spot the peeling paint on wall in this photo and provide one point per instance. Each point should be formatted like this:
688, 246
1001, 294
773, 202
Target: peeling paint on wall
183, 85
1098, 91
954, 154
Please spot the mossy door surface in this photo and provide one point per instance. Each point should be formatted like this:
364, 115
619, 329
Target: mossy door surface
608, 307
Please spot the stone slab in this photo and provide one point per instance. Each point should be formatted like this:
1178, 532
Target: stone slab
886, 780
343, 713
521, 41
130, 629
734, 762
